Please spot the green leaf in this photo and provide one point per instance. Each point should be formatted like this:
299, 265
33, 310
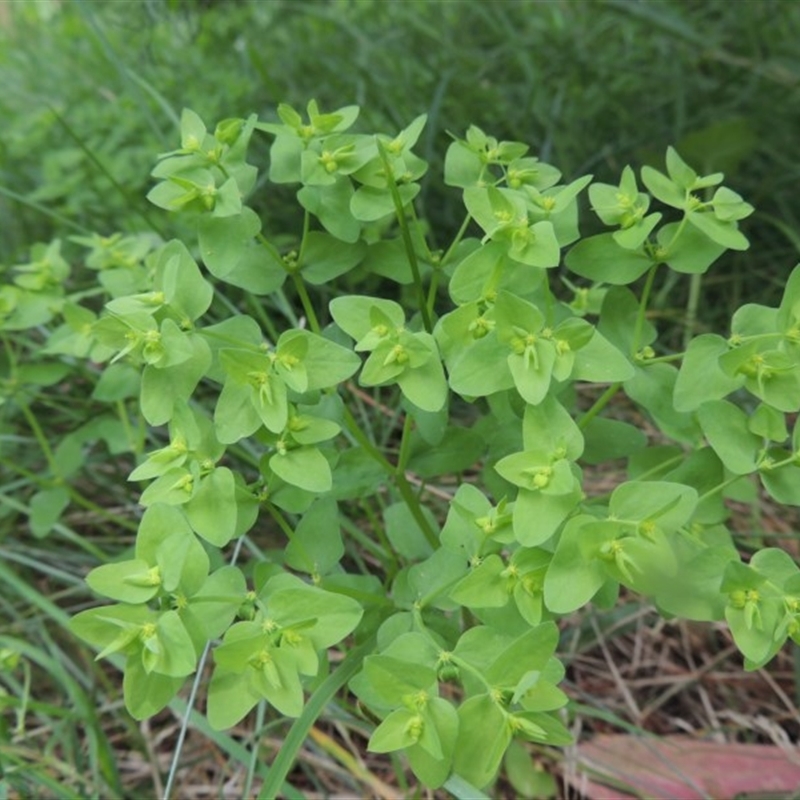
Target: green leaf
725, 426
538, 727
405, 533
147, 693
634, 236
607, 439
663, 189
783, 483
326, 258
495, 209
467, 369
212, 509
530, 651
231, 696
652, 387
212, 608
462, 165
179, 278
355, 475
724, 233
539, 471
127, 581
484, 586
788, 315
176, 654
163, 389
304, 467
231, 253
532, 371
483, 736
324, 617
279, 682
398, 731
689, 251
394, 679
550, 427
193, 130
331, 206
527, 776
536, 246
701, 378
680, 172
771, 375
666, 505
355, 315
370, 203
235, 416
480, 273
697, 595
769, 423
538, 516
443, 717
460, 449
316, 546
730, 206
574, 576
174, 487
430, 579
600, 361
425, 386
46, 507
601, 259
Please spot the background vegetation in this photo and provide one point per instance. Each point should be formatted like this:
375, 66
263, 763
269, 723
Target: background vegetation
93, 91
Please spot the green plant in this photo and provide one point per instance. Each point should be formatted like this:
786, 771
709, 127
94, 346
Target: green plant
440, 522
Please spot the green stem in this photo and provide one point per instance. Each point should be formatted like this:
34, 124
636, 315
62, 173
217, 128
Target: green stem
304, 238
263, 318
253, 765
385, 553
308, 308
433, 288
720, 487
405, 439
271, 247
463, 665
664, 359
89, 505
317, 703
640, 317
410, 499
401, 482
41, 439
132, 200
406, 234
644, 476
74, 495
283, 523
599, 405
459, 236
678, 232
549, 303
44, 210
690, 320
366, 442
134, 441
785, 462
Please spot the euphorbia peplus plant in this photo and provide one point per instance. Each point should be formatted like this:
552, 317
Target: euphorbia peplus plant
448, 630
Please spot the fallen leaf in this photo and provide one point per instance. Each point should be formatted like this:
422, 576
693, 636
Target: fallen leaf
620, 767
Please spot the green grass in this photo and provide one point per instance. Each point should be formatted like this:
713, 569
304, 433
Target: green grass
590, 85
